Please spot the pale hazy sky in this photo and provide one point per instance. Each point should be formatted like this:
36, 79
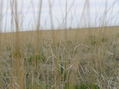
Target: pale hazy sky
29, 10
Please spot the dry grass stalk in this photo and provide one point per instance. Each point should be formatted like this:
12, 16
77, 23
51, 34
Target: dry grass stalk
18, 61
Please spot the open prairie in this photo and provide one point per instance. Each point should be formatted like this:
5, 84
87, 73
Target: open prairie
86, 58
59, 44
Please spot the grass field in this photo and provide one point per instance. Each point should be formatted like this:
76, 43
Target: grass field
85, 58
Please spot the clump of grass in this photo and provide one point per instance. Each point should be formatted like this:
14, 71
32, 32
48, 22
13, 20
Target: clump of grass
96, 40
87, 86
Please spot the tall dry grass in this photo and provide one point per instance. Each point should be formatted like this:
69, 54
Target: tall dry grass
1, 16
18, 72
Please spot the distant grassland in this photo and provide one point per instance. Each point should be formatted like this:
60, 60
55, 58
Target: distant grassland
60, 34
